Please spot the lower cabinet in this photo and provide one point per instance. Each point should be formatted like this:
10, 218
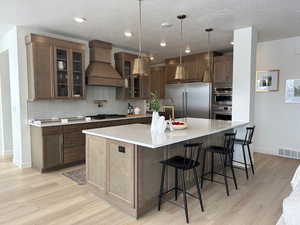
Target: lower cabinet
120, 171
61, 146
111, 169
46, 147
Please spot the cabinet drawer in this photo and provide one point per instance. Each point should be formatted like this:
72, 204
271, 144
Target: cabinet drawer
51, 130
74, 128
74, 154
74, 139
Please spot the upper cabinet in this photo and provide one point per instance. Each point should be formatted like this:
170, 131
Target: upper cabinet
55, 68
223, 69
136, 87
195, 67
158, 80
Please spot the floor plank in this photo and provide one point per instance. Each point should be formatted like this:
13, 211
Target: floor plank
30, 198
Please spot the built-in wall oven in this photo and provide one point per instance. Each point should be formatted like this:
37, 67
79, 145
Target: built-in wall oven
222, 96
222, 112
222, 103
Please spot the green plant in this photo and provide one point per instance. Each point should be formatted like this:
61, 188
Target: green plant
154, 102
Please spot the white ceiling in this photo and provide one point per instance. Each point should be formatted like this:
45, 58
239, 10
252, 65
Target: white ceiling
107, 20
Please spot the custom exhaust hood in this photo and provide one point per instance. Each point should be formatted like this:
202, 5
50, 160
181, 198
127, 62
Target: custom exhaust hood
100, 72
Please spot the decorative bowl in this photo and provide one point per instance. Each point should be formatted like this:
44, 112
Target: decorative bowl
179, 125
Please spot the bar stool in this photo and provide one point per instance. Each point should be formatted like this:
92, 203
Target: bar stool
246, 142
182, 165
226, 156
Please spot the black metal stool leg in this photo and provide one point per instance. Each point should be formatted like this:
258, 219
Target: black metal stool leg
212, 166
225, 174
198, 188
203, 168
250, 157
161, 186
176, 184
245, 162
232, 170
184, 197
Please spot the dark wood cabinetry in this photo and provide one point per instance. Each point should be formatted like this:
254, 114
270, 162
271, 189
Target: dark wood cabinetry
55, 68
61, 146
158, 80
137, 87
223, 69
195, 66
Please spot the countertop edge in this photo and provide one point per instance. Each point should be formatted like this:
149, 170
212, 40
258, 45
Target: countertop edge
90, 132
83, 121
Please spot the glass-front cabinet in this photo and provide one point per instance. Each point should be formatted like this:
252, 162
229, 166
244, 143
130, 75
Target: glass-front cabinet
135, 86
69, 73
77, 74
62, 73
56, 68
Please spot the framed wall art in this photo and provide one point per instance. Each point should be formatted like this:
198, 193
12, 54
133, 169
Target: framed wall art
292, 91
267, 80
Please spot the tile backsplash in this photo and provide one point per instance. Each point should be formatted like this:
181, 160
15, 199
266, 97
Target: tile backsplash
47, 109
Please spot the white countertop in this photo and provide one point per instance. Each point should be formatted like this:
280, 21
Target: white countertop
140, 134
50, 124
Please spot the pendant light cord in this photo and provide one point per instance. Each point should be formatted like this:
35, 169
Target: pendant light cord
140, 28
208, 48
181, 45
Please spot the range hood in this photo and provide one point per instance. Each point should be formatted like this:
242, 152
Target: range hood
100, 72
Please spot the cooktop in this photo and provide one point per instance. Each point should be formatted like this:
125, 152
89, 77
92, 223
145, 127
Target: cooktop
106, 116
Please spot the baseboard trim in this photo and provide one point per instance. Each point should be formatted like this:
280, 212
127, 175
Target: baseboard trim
22, 165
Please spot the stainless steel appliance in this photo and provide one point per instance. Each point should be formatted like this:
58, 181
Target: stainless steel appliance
190, 99
222, 103
222, 112
222, 96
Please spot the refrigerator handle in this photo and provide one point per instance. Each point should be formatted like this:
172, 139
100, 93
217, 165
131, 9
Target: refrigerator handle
186, 104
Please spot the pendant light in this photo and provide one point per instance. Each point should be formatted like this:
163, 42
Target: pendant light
180, 71
139, 65
207, 73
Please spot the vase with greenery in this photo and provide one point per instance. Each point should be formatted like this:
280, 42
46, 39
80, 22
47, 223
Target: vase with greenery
154, 106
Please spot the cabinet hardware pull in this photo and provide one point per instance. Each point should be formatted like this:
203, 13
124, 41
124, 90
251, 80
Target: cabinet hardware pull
122, 149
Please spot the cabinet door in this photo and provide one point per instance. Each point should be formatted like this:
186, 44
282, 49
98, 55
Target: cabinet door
170, 71
52, 150
40, 67
128, 66
62, 72
120, 171
223, 69
96, 161
78, 78
158, 81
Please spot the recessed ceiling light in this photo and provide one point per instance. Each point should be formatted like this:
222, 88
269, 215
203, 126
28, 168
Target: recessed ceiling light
163, 44
128, 34
166, 25
152, 58
232, 43
79, 19
188, 50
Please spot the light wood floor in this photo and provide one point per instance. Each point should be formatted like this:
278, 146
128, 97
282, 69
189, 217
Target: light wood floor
28, 197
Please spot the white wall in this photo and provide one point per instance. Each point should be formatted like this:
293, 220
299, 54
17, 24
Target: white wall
278, 123
5, 106
9, 42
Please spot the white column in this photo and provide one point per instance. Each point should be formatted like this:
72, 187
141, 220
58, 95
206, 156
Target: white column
244, 67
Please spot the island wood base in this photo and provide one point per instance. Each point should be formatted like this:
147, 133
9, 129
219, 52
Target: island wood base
128, 176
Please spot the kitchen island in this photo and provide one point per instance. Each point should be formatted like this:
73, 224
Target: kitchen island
122, 162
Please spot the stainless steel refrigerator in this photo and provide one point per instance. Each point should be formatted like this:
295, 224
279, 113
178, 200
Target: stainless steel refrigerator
190, 99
